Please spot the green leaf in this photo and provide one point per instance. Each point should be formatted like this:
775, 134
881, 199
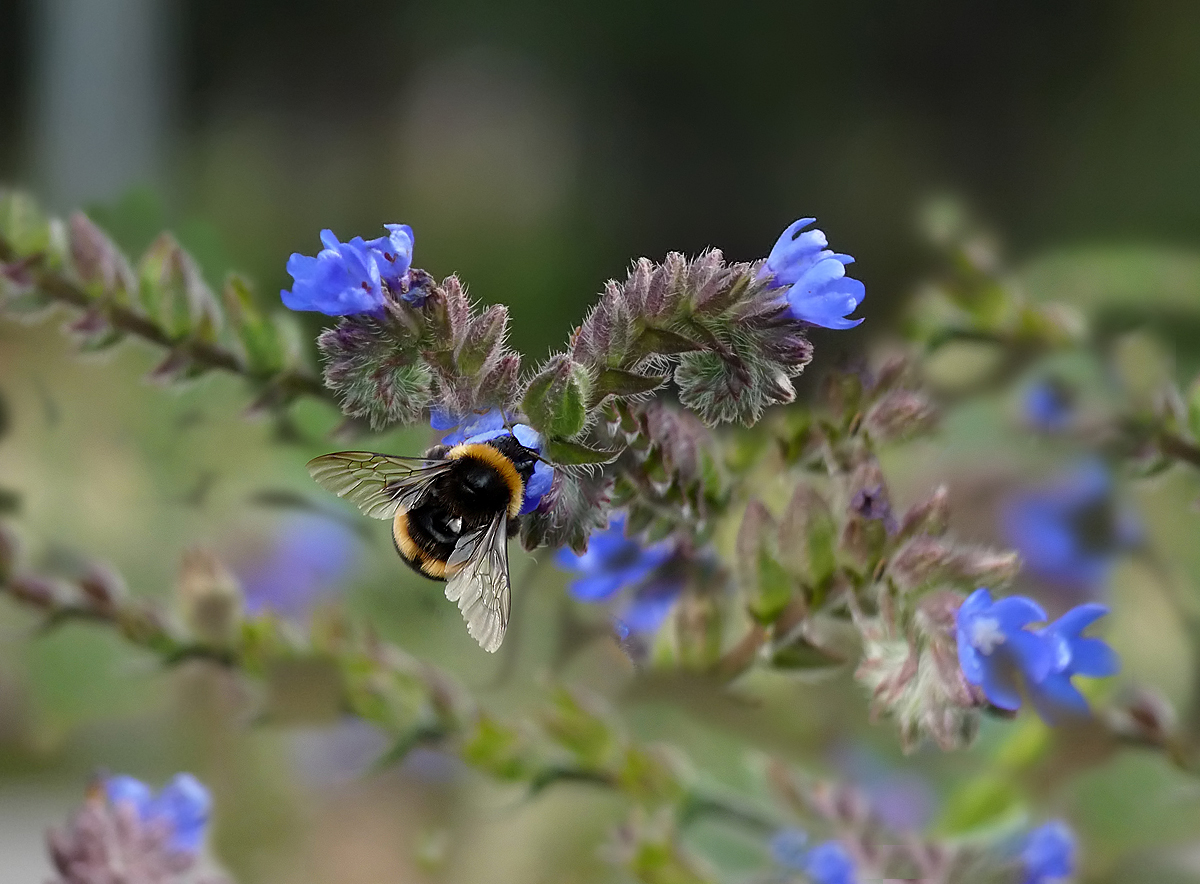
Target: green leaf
985, 802
615, 382
662, 341
566, 453
23, 227
555, 399
258, 335
174, 293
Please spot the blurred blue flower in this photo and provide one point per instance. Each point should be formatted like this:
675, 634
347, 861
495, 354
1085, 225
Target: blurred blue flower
819, 292
829, 863
1049, 853
1070, 532
182, 807
903, 800
994, 647
490, 425
308, 560
1048, 405
614, 562
348, 277
1072, 653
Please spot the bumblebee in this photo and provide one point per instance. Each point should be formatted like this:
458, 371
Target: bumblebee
450, 514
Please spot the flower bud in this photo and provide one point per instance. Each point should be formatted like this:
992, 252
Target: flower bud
555, 400
899, 414
926, 560
210, 598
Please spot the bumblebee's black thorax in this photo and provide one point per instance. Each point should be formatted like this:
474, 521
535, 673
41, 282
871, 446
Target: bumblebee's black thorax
485, 479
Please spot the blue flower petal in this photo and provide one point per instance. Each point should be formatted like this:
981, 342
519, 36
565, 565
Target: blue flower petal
1072, 624
1093, 658
650, 606
1033, 653
539, 483
597, 587
1055, 698
999, 683
1016, 612
124, 789
1049, 853
186, 804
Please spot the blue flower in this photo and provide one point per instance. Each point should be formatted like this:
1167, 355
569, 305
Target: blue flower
1072, 653
307, 560
1048, 405
1049, 853
829, 863
491, 425
182, 807
393, 253
349, 277
1070, 532
994, 646
614, 562
818, 290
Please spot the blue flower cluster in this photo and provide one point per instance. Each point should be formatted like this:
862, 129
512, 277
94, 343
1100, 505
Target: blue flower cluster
997, 649
349, 277
182, 807
826, 863
614, 562
818, 290
1070, 532
490, 425
1048, 854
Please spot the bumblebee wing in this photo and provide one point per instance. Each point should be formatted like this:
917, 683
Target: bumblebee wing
479, 584
378, 484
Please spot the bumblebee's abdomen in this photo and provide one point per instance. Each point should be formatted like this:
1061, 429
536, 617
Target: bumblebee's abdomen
425, 537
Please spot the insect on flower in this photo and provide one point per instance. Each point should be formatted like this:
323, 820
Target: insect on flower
452, 512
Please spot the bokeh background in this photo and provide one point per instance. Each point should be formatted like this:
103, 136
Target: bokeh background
536, 147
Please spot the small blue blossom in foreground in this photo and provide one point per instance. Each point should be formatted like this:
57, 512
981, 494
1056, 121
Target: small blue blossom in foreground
614, 562
1070, 532
830, 863
818, 290
1048, 405
305, 563
1048, 854
491, 425
827, 863
994, 646
349, 277
1072, 653
182, 807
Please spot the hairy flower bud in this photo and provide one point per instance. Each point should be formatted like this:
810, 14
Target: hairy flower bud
556, 399
899, 414
929, 560
210, 597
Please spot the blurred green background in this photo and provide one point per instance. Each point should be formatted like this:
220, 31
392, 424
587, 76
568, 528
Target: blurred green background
536, 148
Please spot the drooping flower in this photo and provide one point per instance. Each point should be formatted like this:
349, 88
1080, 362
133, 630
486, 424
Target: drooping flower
307, 561
614, 562
818, 290
181, 808
350, 277
1049, 853
1070, 532
994, 647
1072, 653
491, 425
1048, 405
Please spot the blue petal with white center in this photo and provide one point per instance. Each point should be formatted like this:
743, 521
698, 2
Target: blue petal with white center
818, 290
995, 648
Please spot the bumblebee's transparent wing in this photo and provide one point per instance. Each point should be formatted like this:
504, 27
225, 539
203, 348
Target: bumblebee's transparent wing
378, 484
480, 583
